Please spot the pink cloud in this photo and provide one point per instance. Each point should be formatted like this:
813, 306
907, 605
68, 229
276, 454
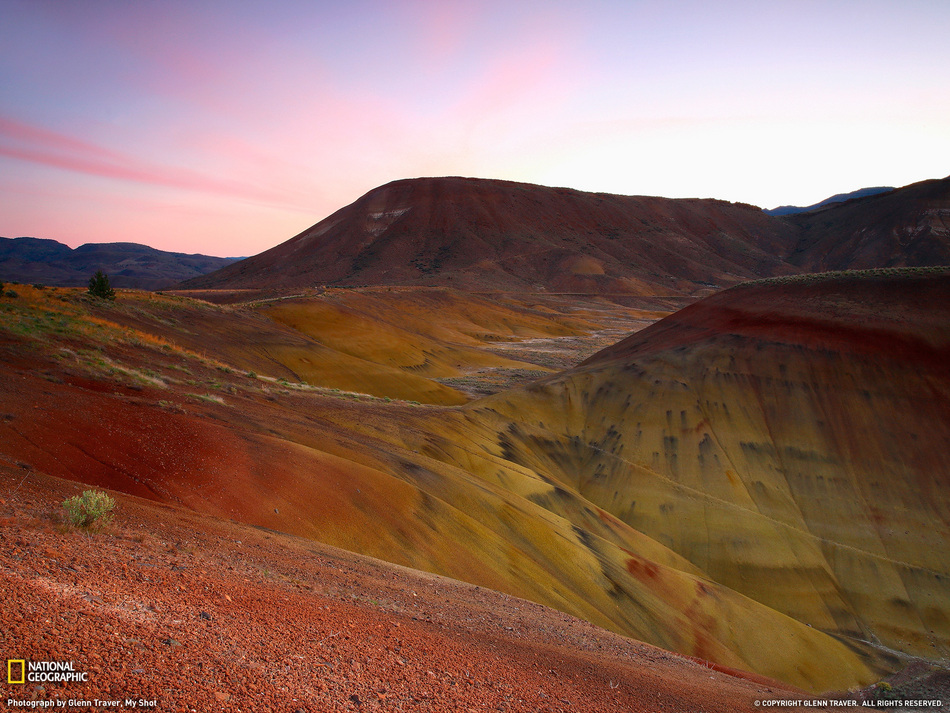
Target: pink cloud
34, 144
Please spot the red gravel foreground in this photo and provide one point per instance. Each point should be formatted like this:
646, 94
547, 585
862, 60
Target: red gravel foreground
181, 612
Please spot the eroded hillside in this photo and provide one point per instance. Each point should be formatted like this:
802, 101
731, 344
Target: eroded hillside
786, 440
732, 483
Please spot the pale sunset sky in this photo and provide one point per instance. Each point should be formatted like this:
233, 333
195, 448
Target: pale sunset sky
225, 127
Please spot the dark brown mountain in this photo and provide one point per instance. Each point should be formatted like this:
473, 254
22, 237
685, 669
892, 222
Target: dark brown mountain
489, 234
48, 262
909, 227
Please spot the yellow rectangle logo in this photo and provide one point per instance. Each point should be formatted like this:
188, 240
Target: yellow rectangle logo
10, 666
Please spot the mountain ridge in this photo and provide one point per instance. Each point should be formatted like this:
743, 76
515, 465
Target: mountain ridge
837, 198
128, 265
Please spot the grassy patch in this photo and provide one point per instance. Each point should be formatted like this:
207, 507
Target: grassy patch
208, 398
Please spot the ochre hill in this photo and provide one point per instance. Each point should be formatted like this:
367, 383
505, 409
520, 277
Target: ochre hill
784, 442
497, 235
383, 342
396, 328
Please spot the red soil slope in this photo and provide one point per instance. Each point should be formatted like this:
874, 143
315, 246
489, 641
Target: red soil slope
202, 614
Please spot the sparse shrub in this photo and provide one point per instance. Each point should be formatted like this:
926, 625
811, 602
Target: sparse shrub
12, 293
170, 406
210, 398
90, 511
99, 286
884, 691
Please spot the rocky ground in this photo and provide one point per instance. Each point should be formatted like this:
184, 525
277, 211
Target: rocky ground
199, 614
557, 353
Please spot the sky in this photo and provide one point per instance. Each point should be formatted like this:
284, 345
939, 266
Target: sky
226, 127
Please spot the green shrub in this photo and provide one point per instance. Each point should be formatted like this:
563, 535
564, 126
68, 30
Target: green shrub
99, 286
90, 511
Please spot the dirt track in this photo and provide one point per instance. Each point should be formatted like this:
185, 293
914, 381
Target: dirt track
200, 614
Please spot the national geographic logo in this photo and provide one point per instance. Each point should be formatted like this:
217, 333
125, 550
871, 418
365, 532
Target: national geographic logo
23, 671
14, 665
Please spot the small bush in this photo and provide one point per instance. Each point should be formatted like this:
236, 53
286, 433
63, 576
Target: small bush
884, 691
12, 293
90, 511
99, 286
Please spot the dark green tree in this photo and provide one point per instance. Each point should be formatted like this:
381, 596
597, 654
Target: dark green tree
99, 286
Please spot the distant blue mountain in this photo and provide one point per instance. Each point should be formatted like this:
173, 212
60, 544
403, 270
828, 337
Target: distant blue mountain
48, 262
840, 198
